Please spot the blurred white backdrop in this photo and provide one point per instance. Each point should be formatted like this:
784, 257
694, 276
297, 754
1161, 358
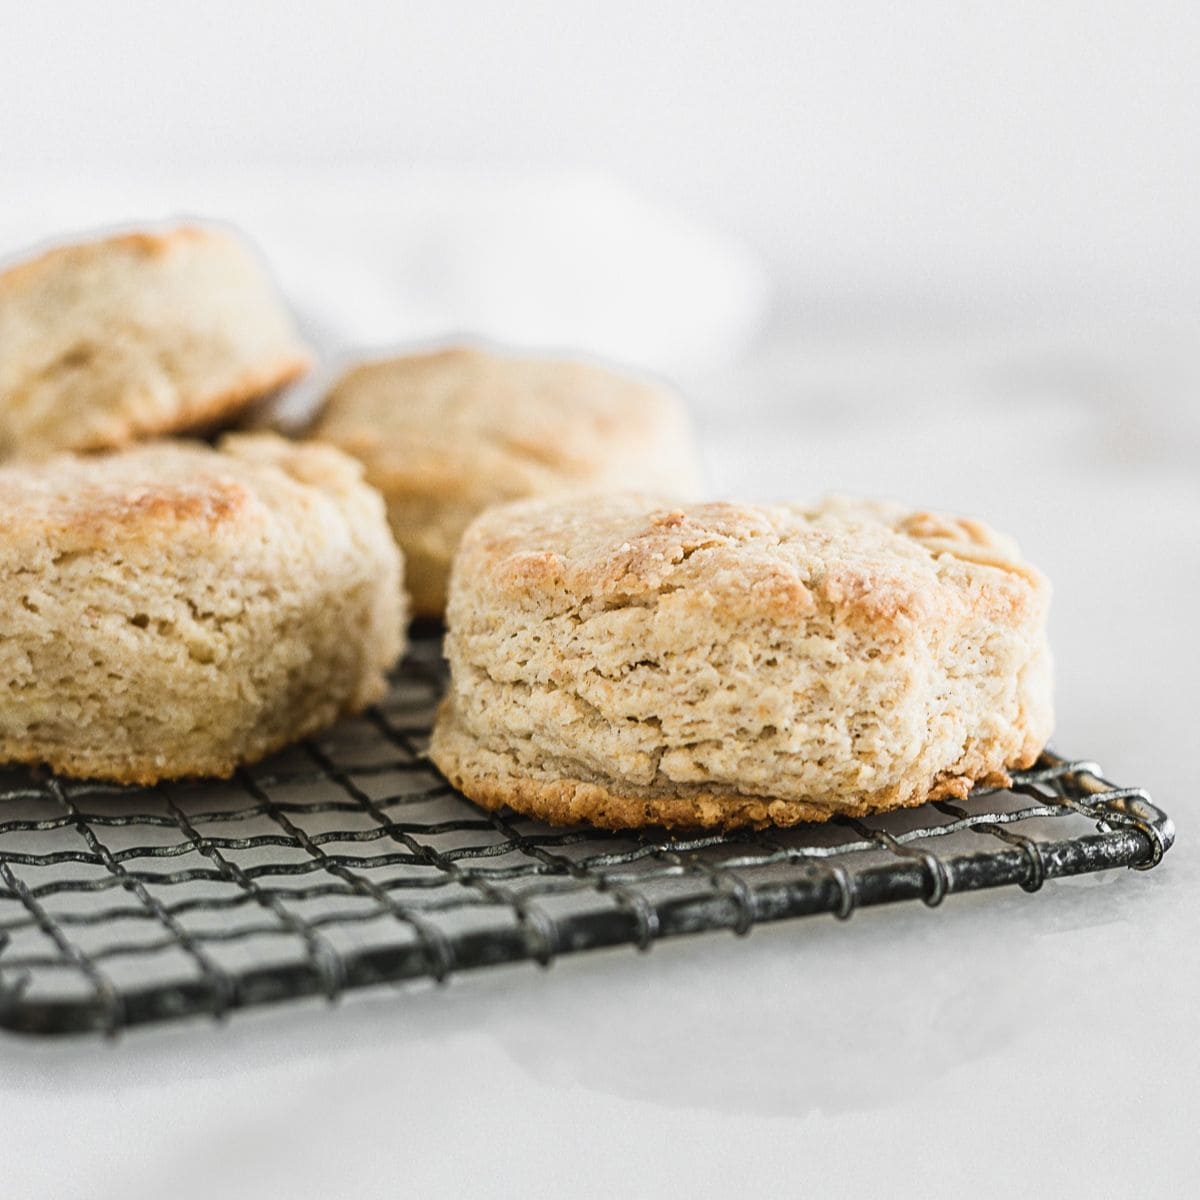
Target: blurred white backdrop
958, 154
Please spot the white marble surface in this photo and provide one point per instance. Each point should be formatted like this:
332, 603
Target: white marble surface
1000, 1045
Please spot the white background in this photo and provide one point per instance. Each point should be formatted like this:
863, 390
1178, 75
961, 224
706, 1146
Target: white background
963, 152
980, 226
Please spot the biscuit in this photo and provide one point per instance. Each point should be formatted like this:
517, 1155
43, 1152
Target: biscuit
445, 435
111, 341
173, 610
628, 663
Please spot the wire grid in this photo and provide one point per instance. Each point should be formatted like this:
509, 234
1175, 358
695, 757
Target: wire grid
348, 861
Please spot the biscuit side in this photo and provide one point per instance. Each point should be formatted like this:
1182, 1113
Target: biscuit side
181, 612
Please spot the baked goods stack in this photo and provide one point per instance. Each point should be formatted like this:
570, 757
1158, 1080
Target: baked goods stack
181, 600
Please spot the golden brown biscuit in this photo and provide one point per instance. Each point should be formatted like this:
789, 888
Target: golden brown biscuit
110, 341
626, 663
173, 610
444, 435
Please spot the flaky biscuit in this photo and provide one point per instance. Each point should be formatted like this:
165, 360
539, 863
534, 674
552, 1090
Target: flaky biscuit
445, 435
106, 342
626, 662
172, 610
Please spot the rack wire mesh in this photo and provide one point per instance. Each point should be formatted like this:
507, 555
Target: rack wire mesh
348, 861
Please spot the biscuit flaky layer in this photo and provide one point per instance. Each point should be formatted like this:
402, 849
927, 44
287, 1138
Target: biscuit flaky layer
173, 610
446, 434
625, 662
115, 340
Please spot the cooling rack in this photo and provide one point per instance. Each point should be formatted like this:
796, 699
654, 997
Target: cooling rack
348, 862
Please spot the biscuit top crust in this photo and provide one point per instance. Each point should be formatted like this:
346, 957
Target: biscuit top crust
871, 562
449, 419
121, 338
137, 244
163, 492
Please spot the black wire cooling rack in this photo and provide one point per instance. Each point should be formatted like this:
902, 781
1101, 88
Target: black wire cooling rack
348, 861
